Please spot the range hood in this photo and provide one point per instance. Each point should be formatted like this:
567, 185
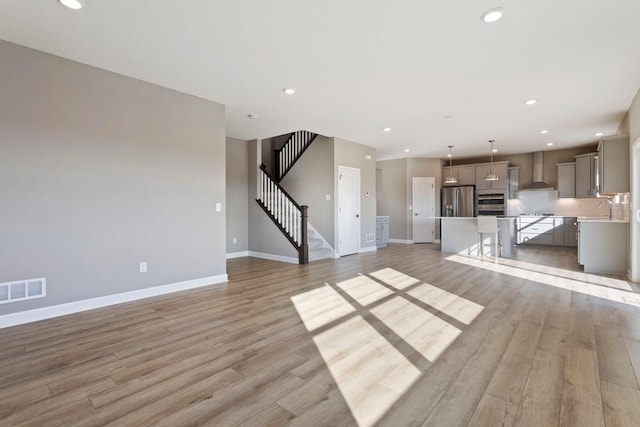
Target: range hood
538, 184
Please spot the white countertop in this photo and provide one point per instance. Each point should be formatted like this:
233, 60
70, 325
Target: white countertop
602, 219
473, 217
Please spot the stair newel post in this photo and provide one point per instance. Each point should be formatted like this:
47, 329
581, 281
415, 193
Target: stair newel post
303, 252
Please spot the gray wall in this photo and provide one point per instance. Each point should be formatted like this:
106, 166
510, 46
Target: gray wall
237, 195
99, 172
393, 200
264, 235
347, 153
397, 187
310, 180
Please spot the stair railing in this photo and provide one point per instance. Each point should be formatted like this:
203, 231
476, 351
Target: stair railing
291, 151
288, 216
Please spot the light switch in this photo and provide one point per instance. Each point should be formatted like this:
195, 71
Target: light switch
638, 215
218, 207
327, 196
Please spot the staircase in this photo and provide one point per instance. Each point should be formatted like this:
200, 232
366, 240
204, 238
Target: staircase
291, 151
284, 211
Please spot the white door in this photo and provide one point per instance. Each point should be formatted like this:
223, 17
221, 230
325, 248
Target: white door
348, 210
424, 196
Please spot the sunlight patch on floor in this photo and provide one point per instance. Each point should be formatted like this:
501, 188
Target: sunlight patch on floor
367, 366
320, 307
575, 275
370, 372
364, 290
452, 305
394, 278
611, 294
426, 333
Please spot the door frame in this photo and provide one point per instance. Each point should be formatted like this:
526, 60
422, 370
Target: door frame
339, 251
634, 219
431, 180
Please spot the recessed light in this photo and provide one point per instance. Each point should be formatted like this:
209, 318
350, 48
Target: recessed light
406, 150
387, 129
492, 15
530, 101
600, 134
71, 4
494, 150
544, 131
449, 155
289, 90
549, 144
252, 116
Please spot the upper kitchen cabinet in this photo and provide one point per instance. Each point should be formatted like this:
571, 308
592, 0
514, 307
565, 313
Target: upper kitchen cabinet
499, 169
464, 174
613, 164
586, 171
567, 180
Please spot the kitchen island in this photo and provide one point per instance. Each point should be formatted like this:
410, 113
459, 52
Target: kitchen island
460, 234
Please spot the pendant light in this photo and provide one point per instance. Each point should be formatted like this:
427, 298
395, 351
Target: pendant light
450, 179
492, 176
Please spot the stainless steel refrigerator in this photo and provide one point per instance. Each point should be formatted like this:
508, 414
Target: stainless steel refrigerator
459, 201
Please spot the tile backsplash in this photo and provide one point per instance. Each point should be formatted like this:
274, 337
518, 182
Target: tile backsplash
548, 202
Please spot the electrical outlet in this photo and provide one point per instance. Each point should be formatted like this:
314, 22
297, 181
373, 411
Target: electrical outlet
218, 207
143, 267
235, 240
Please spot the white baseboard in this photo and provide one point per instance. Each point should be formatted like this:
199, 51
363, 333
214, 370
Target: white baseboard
273, 257
404, 242
43, 313
368, 249
237, 254
436, 240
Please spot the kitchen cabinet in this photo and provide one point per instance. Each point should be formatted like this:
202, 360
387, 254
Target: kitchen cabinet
382, 231
613, 164
602, 245
464, 174
570, 231
547, 230
499, 169
513, 184
567, 180
586, 171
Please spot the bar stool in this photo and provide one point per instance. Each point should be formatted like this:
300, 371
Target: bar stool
488, 225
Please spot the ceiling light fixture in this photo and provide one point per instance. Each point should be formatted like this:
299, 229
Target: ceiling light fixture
252, 116
544, 131
289, 90
549, 144
450, 179
492, 15
491, 176
599, 134
530, 101
71, 4
387, 129
406, 150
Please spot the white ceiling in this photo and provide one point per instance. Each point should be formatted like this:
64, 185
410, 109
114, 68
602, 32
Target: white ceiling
362, 65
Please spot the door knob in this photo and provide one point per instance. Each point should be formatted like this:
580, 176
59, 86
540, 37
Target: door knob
416, 214
357, 216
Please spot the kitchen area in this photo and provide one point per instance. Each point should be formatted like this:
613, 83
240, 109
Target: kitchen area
576, 199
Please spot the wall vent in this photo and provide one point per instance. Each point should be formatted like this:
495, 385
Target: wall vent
371, 237
22, 290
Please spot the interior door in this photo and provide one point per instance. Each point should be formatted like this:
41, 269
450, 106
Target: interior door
348, 210
424, 195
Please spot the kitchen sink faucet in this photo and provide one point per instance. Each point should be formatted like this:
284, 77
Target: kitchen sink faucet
610, 201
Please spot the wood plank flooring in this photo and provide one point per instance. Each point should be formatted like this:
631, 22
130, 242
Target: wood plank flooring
405, 336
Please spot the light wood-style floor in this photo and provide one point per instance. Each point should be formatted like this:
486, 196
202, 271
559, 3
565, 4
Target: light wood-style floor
406, 336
